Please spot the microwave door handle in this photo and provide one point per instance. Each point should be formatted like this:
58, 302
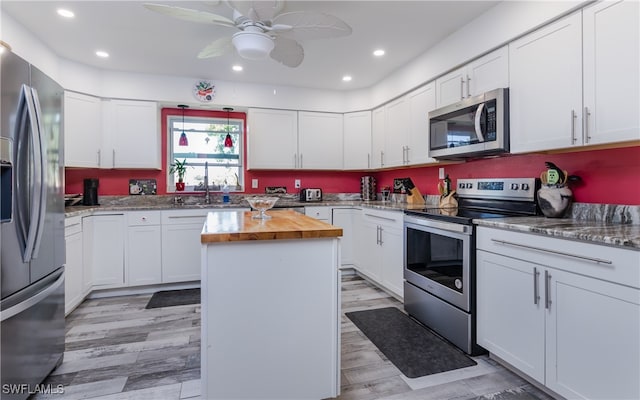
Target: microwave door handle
479, 132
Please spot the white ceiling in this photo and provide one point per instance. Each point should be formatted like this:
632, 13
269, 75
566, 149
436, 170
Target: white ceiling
140, 40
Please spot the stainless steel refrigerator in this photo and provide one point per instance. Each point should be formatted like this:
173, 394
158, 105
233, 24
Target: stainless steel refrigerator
32, 247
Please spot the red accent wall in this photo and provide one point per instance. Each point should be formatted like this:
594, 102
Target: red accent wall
609, 176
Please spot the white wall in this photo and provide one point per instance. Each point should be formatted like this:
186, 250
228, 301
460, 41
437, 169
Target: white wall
497, 26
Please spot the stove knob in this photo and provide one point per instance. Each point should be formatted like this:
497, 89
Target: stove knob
525, 186
461, 185
514, 186
469, 185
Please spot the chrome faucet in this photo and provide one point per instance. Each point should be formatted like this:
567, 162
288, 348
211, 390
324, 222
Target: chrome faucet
207, 194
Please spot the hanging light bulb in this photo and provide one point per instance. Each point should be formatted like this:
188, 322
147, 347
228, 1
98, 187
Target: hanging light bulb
228, 142
183, 141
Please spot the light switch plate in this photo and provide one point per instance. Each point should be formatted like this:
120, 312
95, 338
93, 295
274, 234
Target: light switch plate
254, 183
296, 184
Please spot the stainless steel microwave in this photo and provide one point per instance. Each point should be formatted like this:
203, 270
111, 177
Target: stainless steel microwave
474, 127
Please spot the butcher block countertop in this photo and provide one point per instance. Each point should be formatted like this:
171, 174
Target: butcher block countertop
234, 226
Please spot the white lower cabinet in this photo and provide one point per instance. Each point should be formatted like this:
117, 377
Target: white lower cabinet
322, 213
379, 248
143, 258
343, 218
105, 247
74, 277
565, 313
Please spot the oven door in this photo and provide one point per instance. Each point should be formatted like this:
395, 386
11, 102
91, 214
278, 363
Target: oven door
437, 259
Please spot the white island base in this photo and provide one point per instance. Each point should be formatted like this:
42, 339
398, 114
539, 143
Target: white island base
271, 319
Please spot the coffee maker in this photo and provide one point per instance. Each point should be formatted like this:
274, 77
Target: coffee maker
90, 195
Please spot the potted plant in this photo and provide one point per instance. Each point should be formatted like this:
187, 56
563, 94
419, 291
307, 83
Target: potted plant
179, 167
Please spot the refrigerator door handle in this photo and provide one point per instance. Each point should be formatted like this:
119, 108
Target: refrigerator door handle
36, 185
41, 163
31, 301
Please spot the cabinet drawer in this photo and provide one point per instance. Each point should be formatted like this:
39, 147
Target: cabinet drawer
139, 218
601, 262
176, 217
318, 212
388, 218
72, 225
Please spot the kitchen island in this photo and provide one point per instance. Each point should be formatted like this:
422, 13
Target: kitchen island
270, 307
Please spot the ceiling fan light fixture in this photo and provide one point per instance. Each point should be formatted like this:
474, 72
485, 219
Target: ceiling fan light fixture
252, 45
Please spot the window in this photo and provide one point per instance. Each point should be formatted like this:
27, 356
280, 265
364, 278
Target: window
206, 139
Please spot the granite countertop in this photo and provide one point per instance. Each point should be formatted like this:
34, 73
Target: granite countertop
234, 226
626, 235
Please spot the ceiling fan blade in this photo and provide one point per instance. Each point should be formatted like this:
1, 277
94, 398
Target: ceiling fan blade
260, 10
216, 48
190, 15
288, 52
311, 25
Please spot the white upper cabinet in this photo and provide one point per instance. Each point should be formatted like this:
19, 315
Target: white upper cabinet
320, 140
486, 73
421, 101
82, 130
131, 134
357, 140
396, 132
272, 137
378, 126
546, 87
611, 72
553, 106
110, 133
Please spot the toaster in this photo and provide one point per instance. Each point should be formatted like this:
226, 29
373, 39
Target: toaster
311, 194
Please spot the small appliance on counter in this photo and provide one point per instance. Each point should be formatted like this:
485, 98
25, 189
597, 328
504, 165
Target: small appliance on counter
368, 188
90, 195
311, 194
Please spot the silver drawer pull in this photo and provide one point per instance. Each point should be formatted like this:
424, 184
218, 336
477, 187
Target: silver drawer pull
562, 253
536, 290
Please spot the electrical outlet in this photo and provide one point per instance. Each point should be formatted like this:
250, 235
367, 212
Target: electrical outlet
440, 173
254, 183
296, 184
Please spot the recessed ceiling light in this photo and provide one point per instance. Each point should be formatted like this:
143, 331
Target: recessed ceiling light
378, 53
65, 13
102, 54
347, 78
237, 68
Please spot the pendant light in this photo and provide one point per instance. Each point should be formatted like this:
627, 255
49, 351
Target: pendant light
183, 141
228, 142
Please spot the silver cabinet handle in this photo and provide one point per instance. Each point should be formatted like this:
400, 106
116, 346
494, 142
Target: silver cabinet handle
368, 160
468, 87
301, 161
381, 242
461, 88
113, 160
381, 158
377, 234
295, 160
561, 253
587, 137
547, 289
536, 289
573, 127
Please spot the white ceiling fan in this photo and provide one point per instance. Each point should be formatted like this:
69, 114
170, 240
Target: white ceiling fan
262, 31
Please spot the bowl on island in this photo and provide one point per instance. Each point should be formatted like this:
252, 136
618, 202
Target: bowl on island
262, 204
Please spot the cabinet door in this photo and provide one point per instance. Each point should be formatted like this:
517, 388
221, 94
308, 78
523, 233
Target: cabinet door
343, 218
370, 263
488, 72
144, 261
357, 140
132, 137
510, 320
108, 251
545, 92
450, 87
73, 280
396, 132
377, 137
421, 101
272, 139
593, 331
82, 130
392, 262
181, 252
320, 140
611, 77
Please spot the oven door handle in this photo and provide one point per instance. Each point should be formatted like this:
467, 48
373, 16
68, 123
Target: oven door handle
447, 226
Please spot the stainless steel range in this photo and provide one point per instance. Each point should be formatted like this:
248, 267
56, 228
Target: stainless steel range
439, 254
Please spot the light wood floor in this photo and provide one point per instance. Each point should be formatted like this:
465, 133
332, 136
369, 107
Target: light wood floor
116, 349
